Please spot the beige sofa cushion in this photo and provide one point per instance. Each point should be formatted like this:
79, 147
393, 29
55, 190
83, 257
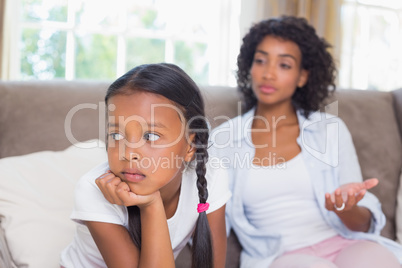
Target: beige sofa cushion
221, 104
33, 114
371, 120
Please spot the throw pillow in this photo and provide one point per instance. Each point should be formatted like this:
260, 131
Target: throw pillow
36, 199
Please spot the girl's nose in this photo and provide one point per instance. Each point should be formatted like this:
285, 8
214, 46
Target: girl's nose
134, 157
130, 152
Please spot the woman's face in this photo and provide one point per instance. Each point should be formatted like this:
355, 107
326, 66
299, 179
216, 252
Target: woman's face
276, 70
147, 143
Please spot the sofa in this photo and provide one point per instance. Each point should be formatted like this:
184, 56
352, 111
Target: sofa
52, 132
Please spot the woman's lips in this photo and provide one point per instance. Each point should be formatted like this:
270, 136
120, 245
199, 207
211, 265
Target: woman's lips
267, 89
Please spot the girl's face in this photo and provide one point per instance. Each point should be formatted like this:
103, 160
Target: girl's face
147, 142
276, 70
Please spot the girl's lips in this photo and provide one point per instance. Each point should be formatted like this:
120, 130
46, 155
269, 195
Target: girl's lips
267, 89
133, 175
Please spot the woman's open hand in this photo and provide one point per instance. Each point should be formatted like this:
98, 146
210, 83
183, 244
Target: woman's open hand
118, 192
348, 195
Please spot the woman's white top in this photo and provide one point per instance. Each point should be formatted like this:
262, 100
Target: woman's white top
90, 205
280, 199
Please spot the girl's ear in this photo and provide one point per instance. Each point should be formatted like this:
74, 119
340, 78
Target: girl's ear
303, 78
190, 149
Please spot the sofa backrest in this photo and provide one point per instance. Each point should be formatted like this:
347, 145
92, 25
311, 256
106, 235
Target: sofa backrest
33, 114
36, 115
397, 94
371, 119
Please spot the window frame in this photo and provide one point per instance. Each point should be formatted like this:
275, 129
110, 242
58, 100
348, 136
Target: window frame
354, 75
221, 67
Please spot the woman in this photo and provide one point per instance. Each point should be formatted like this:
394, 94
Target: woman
298, 195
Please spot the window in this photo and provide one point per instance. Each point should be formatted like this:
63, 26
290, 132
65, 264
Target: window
102, 39
371, 47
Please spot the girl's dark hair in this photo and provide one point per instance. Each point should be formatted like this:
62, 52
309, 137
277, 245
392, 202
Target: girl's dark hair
173, 83
315, 59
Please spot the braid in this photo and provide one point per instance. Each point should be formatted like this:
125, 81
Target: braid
202, 243
134, 225
201, 156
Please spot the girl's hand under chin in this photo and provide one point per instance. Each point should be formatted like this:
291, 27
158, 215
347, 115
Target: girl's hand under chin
118, 192
348, 194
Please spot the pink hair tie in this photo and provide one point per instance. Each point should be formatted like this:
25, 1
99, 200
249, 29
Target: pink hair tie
202, 207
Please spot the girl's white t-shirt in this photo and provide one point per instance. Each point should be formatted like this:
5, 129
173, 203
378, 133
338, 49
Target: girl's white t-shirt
90, 205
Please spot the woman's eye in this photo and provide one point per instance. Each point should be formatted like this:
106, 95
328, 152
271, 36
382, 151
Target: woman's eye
258, 61
116, 136
151, 136
285, 66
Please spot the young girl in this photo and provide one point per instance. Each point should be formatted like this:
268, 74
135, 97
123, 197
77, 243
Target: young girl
298, 195
140, 208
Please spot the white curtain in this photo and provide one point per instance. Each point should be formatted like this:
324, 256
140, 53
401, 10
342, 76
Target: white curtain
324, 15
223, 54
9, 36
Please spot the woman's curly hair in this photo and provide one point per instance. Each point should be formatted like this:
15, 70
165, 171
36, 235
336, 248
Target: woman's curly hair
315, 59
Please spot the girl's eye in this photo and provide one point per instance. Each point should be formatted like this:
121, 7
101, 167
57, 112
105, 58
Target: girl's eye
285, 66
151, 136
116, 136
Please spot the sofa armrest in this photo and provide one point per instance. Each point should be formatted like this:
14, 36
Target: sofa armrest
5, 256
397, 94
399, 213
